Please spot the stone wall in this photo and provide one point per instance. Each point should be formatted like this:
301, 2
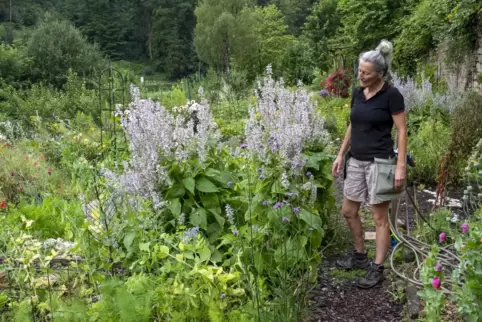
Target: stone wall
466, 74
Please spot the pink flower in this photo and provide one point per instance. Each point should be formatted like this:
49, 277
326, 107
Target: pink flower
442, 237
465, 228
436, 283
13, 174
438, 267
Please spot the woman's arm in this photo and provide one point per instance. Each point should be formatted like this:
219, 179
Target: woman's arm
346, 142
400, 123
343, 149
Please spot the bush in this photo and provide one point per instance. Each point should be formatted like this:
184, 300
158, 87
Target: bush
56, 47
336, 111
51, 218
338, 83
427, 146
46, 103
467, 131
14, 66
24, 172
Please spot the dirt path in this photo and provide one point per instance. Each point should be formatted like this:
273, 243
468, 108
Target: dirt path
336, 298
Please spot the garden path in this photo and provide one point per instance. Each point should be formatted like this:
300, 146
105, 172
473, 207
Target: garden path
336, 296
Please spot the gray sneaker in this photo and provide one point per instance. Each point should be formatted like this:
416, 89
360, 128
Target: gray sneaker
353, 260
374, 276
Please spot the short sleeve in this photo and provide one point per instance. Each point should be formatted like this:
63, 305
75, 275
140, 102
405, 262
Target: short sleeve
353, 93
396, 102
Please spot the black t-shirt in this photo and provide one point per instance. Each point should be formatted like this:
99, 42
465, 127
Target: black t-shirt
372, 123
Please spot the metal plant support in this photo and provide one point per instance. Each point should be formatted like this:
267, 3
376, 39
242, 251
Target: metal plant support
112, 101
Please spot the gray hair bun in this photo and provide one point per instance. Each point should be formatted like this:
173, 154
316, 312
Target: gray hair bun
386, 49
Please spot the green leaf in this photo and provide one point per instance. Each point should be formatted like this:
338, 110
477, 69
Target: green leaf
163, 251
258, 262
176, 191
205, 254
314, 161
212, 173
210, 201
204, 185
220, 219
216, 257
199, 218
144, 247
276, 188
129, 238
311, 219
175, 206
189, 184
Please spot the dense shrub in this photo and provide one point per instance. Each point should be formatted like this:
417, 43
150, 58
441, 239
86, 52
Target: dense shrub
338, 83
24, 172
14, 66
49, 104
467, 131
57, 46
428, 144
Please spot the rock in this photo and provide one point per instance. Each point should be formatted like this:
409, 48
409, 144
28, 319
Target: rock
413, 301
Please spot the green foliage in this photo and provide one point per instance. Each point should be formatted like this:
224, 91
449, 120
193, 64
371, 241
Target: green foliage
433, 298
364, 24
321, 25
107, 23
427, 145
295, 12
271, 39
467, 295
43, 102
175, 97
53, 217
419, 34
57, 46
14, 66
172, 37
467, 131
467, 239
297, 62
26, 173
336, 111
223, 30
437, 23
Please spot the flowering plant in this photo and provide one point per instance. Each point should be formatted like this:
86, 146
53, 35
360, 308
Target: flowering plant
338, 83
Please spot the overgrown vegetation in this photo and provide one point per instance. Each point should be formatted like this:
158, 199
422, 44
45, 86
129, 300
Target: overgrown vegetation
209, 205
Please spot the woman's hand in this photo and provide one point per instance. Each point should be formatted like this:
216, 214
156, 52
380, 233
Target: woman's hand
336, 168
400, 177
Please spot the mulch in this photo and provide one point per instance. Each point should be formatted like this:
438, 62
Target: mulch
335, 300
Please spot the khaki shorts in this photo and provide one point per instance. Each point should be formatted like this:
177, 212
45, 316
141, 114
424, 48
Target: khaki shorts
360, 182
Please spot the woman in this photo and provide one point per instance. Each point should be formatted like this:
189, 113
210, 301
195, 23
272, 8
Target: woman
375, 108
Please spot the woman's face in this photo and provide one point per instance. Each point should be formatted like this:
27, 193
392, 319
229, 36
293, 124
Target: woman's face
367, 74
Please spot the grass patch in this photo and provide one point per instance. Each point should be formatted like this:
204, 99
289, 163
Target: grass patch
347, 274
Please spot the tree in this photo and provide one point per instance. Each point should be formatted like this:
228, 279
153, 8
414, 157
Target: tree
14, 66
297, 62
365, 23
108, 23
172, 37
57, 46
321, 26
221, 31
295, 13
271, 40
